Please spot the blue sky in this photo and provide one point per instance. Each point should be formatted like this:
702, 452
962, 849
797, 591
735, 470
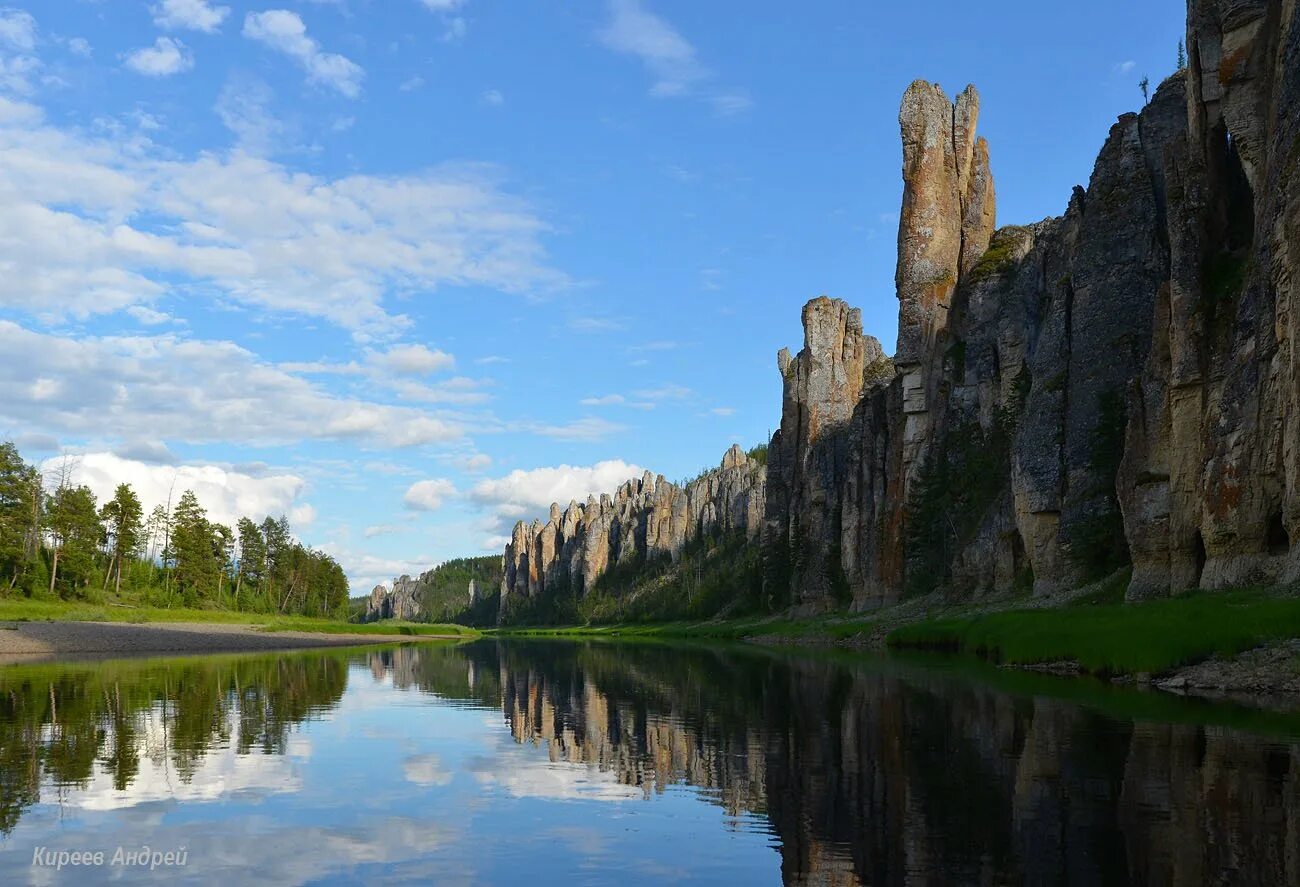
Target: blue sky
408, 270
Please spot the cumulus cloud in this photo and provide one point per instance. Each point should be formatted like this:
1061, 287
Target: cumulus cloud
197, 391
226, 494
365, 570
415, 360
92, 226
166, 57
522, 495
443, 5
192, 15
285, 32
428, 495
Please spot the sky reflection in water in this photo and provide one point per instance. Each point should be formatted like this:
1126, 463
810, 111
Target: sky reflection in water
573, 763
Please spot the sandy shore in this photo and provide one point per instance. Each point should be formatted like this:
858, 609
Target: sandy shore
42, 641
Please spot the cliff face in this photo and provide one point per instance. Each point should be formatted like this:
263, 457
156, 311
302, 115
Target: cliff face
401, 603
645, 519
1209, 480
1117, 385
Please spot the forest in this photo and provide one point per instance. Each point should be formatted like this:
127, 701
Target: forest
58, 541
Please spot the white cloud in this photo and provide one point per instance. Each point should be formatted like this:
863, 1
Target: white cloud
411, 84
365, 571
166, 57
665, 392
74, 240
195, 391
428, 495
148, 316
244, 107
723, 411
587, 429
303, 515
17, 29
606, 400
415, 360
475, 462
193, 15
80, 46
443, 5
670, 58
380, 530
526, 494
1123, 68
285, 32
226, 494
597, 324
493, 97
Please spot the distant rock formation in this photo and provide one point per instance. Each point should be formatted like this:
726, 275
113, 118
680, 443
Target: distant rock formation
647, 517
402, 602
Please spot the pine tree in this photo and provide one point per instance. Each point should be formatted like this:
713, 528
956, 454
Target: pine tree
20, 501
1182, 56
122, 521
197, 567
73, 523
252, 558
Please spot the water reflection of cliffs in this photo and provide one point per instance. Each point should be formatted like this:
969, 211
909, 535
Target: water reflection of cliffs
62, 728
886, 777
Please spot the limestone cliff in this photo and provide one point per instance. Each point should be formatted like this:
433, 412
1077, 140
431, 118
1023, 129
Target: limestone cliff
1117, 385
647, 518
400, 603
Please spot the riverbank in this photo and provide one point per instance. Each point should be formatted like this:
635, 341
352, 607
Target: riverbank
1234, 642
48, 641
40, 630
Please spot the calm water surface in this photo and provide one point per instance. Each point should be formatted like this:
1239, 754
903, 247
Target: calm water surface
571, 763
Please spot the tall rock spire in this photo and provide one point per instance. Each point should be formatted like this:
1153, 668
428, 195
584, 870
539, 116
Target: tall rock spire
945, 225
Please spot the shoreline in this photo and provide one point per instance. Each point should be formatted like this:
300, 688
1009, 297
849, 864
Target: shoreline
57, 641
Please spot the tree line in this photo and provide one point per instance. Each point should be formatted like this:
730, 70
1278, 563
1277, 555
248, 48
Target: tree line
56, 540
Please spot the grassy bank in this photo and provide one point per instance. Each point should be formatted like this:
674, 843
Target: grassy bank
1116, 638
824, 629
27, 610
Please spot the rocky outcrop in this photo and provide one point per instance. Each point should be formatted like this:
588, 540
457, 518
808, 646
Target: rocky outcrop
812, 520
1117, 385
1211, 477
646, 518
402, 602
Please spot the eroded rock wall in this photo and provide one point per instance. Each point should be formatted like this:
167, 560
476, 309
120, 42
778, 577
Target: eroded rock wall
646, 518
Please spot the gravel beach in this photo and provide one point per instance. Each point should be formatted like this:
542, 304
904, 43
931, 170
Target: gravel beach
42, 641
